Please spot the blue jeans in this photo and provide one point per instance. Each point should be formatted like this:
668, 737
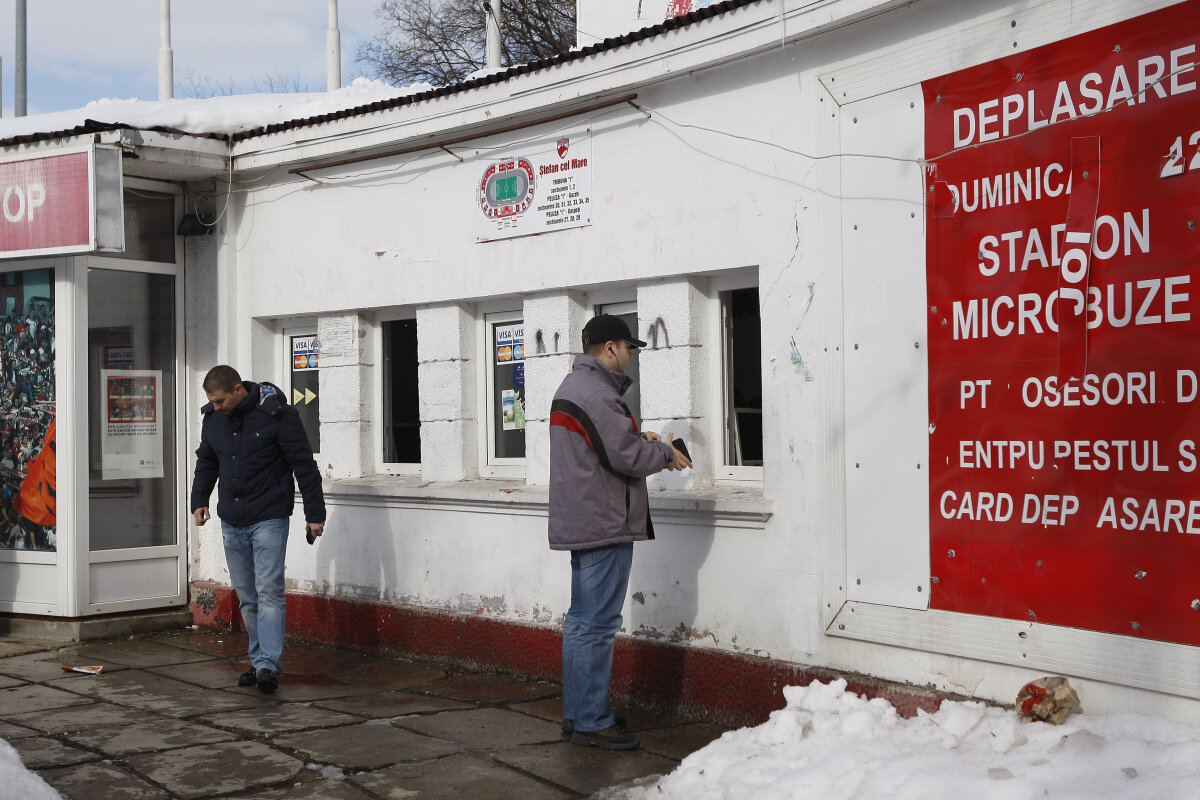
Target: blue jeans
599, 580
255, 556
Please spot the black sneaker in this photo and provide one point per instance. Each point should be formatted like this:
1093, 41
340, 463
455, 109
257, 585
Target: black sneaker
611, 738
267, 680
248, 678
568, 725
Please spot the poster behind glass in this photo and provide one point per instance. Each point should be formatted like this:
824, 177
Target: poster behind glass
28, 507
509, 386
306, 355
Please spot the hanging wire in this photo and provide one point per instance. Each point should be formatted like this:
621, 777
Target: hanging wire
651, 112
228, 192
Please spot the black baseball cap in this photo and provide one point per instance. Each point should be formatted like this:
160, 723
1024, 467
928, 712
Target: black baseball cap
607, 328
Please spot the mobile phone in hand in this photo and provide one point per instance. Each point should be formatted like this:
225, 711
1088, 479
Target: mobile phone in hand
681, 447
308, 534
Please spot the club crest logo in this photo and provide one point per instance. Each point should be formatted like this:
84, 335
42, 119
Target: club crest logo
563, 145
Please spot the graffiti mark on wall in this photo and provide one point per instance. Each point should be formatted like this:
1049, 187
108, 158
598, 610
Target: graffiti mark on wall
798, 363
652, 334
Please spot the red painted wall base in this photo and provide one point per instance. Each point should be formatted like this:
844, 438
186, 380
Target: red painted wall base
731, 688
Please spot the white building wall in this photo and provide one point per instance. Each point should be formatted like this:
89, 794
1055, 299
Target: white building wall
553, 320
676, 374
719, 180
348, 433
405, 236
446, 376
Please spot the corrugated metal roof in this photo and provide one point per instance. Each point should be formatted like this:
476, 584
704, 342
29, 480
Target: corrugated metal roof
93, 126
511, 72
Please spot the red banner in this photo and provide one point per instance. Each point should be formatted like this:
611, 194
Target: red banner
45, 205
1064, 358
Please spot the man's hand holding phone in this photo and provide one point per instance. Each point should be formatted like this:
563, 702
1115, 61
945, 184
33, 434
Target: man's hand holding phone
681, 460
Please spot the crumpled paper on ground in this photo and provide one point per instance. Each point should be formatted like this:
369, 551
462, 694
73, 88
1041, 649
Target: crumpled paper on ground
1046, 700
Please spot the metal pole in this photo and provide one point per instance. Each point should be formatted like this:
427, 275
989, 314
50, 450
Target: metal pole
19, 104
333, 50
166, 59
492, 12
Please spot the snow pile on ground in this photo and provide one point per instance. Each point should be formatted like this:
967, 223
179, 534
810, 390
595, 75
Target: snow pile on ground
18, 783
225, 114
830, 744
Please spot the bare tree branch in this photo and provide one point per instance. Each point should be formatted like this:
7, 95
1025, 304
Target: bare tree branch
204, 86
443, 41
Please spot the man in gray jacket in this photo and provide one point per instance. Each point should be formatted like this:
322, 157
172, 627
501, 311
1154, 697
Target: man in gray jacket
598, 508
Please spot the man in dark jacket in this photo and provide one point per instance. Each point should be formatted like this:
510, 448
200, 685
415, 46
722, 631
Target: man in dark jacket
255, 443
598, 509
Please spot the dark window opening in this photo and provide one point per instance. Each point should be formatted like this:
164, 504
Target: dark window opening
401, 398
743, 365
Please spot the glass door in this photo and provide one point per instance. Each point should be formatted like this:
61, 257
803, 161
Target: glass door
90, 440
135, 552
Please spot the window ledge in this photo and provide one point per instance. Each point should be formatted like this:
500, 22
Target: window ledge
731, 506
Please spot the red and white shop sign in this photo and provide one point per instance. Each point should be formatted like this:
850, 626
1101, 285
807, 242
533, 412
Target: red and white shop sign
1064, 331
46, 205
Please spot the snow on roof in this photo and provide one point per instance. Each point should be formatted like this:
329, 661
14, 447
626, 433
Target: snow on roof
244, 116
217, 116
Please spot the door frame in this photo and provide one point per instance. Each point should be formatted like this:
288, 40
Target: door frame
84, 558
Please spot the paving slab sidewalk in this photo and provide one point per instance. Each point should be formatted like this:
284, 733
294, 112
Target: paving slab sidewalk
166, 719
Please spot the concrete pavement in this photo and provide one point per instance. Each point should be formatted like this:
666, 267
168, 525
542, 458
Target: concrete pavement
166, 719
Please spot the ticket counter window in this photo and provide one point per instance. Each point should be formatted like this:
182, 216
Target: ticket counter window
506, 386
632, 398
28, 463
304, 353
131, 382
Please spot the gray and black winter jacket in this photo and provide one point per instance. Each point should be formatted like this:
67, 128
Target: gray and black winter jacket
598, 462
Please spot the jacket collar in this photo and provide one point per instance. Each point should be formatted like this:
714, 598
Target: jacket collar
586, 363
253, 398
249, 401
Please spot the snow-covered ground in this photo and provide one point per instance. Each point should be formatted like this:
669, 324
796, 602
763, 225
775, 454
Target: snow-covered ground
828, 744
18, 783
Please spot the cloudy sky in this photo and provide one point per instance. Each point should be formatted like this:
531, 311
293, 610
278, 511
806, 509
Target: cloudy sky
83, 50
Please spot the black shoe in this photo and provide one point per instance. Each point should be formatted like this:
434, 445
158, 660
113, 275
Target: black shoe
248, 678
568, 725
267, 680
611, 738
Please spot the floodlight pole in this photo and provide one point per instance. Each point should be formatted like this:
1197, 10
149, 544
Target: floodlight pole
166, 59
20, 97
333, 50
492, 12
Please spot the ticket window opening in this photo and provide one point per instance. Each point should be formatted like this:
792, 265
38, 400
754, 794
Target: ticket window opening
304, 355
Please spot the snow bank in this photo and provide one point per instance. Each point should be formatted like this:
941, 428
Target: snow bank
833, 745
18, 783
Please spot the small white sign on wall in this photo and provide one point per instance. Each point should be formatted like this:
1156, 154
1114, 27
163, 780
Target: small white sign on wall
542, 187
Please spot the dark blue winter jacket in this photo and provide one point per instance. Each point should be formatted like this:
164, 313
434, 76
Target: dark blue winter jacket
255, 451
